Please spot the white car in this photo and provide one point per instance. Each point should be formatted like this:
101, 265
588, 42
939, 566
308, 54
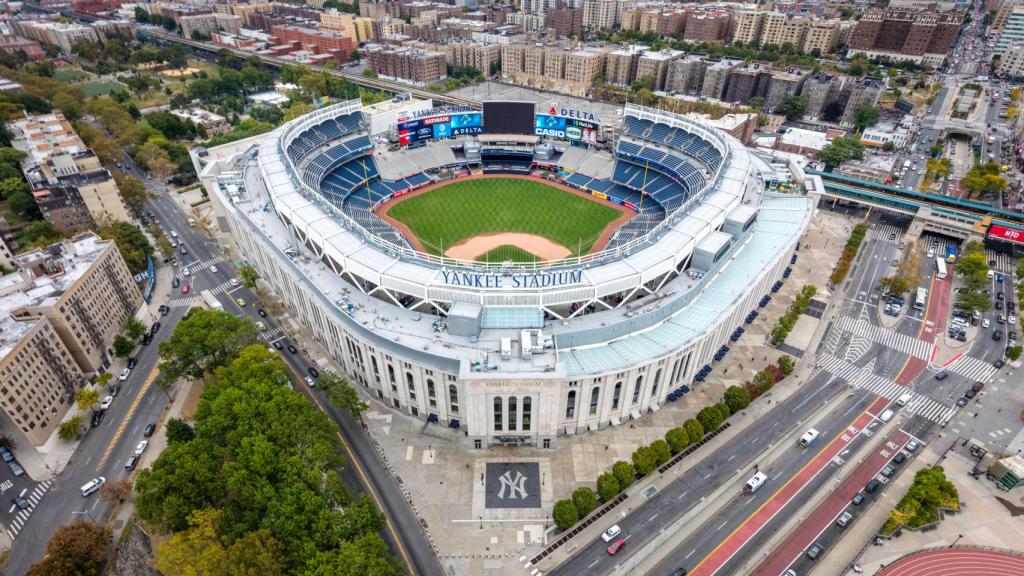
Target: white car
310, 382
1011, 320
174, 234
234, 282
141, 447
611, 533
106, 402
185, 272
985, 323
213, 269
124, 374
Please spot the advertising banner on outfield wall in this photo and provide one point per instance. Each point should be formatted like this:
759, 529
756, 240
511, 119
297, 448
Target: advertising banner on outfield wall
563, 128
442, 126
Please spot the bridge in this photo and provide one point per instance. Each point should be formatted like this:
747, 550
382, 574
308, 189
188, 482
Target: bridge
946, 215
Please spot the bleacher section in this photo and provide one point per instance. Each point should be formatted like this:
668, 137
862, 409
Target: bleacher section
324, 132
673, 139
337, 154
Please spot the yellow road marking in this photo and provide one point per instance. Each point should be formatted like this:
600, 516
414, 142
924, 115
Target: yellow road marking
127, 417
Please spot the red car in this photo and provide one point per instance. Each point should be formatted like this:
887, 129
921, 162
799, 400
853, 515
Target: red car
184, 289
616, 546
978, 386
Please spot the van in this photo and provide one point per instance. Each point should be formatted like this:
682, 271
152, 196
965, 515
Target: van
808, 438
755, 482
93, 485
902, 400
886, 416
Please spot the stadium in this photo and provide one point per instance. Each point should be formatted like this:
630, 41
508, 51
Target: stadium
512, 274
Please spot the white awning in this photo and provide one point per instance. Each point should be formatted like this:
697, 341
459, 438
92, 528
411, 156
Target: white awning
570, 430
615, 421
655, 407
592, 426
635, 414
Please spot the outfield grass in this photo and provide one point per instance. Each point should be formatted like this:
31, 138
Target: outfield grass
462, 210
70, 75
98, 88
507, 253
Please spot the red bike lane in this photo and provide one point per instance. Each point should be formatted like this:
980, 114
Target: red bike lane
837, 501
756, 521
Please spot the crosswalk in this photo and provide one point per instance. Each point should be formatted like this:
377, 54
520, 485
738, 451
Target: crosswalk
271, 335
883, 231
1004, 262
972, 368
196, 266
189, 301
21, 518
886, 337
919, 404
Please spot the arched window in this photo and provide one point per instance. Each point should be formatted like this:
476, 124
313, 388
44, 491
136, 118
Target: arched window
527, 413
411, 385
431, 393
594, 393
512, 413
570, 404
636, 393
615, 395
453, 399
373, 362
497, 414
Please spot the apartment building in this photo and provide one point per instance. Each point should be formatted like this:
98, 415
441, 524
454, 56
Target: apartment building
73, 191
207, 24
340, 47
602, 14
746, 82
685, 75
564, 21
781, 28
526, 21
1012, 30
716, 77
583, 66
356, 27
655, 65
865, 92
59, 314
64, 35
708, 26
538, 6
822, 36
245, 11
1011, 63
747, 26
459, 54
620, 65
906, 34
784, 85
6, 255
821, 90
417, 67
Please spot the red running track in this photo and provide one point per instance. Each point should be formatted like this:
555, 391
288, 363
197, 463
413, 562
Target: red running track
756, 521
957, 562
822, 517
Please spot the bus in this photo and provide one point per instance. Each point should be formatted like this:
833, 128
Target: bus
922, 299
950, 254
210, 300
940, 268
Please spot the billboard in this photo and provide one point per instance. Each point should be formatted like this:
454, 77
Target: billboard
441, 126
1008, 234
509, 117
563, 128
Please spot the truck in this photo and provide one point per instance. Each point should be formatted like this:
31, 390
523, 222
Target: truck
210, 300
950, 254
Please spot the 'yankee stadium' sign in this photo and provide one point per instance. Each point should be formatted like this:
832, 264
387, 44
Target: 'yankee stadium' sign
523, 280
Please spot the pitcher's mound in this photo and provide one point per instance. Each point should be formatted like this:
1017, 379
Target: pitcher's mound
541, 247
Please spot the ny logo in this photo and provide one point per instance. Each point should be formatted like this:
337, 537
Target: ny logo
516, 485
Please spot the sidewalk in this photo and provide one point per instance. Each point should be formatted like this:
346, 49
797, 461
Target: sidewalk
983, 520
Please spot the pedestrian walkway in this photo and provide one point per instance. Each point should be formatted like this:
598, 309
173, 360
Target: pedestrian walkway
271, 335
888, 338
919, 404
972, 368
195, 266
189, 301
22, 517
885, 231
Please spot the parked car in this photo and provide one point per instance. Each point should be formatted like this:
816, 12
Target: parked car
124, 374
141, 447
962, 401
616, 546
872, 485
278, 345
16, 469
900, 457
131, 463
97, 418
844, 519
314, 372
912, 445
611, 533
310, 382
132, 362
858, 499
20, 503
814, 551
292, 349
150, 428
154, 328
6, 454
107, 401
262, 313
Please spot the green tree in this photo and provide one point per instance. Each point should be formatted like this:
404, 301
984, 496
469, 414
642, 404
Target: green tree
584, 499
123, 346
661, 451
249, 276
866, 116
644, 460
607, 486
76, 549
86, 398
197, 550
764, 380
367, 555
709, 418
341, 393
1013, 353
134, 329
677, 439
23, 205
793, 108
133, 191
203, 341
565, 514
624, 473
133, 244
840, 150
104, 379
694, 429
13, 186
178, 431
70, 428
786, 365
736, 398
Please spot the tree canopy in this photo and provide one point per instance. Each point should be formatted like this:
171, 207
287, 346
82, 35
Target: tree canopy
205, 340
76, 549
840, 150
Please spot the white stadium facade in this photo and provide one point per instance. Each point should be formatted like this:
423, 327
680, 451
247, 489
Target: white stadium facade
516, 353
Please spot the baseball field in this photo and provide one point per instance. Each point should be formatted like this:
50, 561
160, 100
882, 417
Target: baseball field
504, 218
